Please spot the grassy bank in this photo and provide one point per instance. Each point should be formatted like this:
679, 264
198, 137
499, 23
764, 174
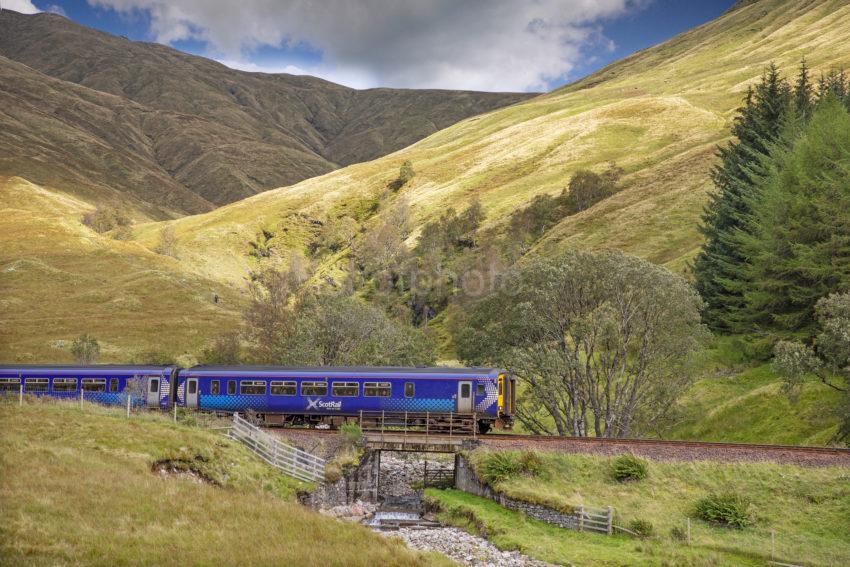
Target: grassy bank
77, 487
806, 508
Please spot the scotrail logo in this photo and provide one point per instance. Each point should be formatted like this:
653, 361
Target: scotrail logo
318, 404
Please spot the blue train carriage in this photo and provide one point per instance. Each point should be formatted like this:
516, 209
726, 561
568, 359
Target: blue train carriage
311, 396
106, 384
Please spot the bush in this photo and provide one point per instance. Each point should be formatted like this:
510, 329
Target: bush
628, 467
678, 534
725, 509
108, 217
643, 528
499, 467
351, 433
333, 472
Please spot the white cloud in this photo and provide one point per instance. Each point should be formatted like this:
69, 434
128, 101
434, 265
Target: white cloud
466, 44
56, 9
22, 6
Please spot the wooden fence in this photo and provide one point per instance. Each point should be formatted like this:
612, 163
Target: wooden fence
286, 458
419, 423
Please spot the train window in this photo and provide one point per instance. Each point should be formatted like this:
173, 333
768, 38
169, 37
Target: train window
314, 388
345, 389
409, 390
231, 387
94, 384
280, 388
215, 387
113, 384
252, 387
193, 386
36, 385
377, 389
10, 384
64, 384
153, 385
479, 389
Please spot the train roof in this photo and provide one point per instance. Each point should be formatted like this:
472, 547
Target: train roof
351, 370
82, 367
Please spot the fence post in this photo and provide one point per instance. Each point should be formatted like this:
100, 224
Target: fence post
610, 520
772, 545
451, 423
581, 518
175, 411
689, 531
427, 420
129, 398
21, 392
81, 396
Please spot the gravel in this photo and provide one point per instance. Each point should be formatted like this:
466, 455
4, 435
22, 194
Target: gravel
464, 548
663, 451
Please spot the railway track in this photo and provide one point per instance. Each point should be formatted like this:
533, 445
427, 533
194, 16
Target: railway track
600, 441
663, 450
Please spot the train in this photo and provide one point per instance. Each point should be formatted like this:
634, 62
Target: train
310, 396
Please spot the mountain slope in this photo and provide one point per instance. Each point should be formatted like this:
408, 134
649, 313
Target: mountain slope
658, 114
240, 133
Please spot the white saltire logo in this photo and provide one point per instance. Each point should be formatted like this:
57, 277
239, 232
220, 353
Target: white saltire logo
317, 404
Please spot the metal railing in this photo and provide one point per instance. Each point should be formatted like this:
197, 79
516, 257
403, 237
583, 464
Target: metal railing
419, 423
286, 458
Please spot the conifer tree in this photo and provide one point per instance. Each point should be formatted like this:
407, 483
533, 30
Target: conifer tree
718, 265
803, 103
798, 238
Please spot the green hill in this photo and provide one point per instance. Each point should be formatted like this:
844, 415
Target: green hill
79, 488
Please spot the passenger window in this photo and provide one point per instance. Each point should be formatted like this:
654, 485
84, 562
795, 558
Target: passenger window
64, 384
465, 390
479, 389
345, 389
154, 386
113, 384
193, 386
94, 384
231, 387
252, 388
10, 384
377, 389
36, 385
215, 387
409, 390
280, 388
314, 388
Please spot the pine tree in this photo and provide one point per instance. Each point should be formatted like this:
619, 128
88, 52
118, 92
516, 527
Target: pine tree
803, 104
798, 238
717, 268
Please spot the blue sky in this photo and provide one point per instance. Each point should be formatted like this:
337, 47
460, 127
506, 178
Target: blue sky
493, 45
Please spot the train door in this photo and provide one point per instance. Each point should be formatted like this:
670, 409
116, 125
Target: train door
191, 392
464, 397
153, 391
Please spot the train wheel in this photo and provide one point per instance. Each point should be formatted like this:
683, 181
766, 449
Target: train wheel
483, 427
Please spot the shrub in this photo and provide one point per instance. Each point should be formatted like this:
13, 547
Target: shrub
108, 217
85, 349
725, 509
333, 472
628, 467
498, 467
643, 528
678, 534
351, 433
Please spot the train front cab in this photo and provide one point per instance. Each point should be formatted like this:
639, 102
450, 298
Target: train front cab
506, 400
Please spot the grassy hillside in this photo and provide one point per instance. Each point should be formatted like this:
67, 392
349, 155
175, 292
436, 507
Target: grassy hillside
806, 508
209, 134
59, 279
77, 488
659, 114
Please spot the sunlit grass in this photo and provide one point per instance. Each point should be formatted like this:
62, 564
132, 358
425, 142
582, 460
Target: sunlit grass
76, 488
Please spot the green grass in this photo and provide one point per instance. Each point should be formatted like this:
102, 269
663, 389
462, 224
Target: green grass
741, 401
807, 508
514, 531
76, 488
